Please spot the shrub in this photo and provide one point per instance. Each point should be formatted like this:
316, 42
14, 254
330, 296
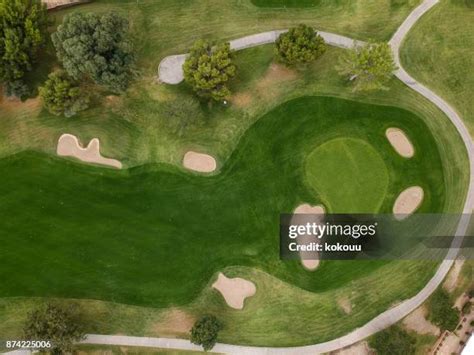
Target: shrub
205, 332
208, 70
394, 341
59, 324
369, 67
62, 96
17, 88
96, 46
441, 311
299, 45
466, 309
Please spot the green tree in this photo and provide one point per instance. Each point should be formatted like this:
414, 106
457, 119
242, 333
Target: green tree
205, 332
62, 96
96, 46
441, 311
208, 70
23, 26
60, 325
299, 45
369, 66
394, 341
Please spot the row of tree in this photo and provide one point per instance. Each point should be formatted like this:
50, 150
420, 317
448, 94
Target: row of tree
208, 69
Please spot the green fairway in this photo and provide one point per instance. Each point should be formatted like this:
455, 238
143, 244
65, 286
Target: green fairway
439, 52
349, 176
156, 235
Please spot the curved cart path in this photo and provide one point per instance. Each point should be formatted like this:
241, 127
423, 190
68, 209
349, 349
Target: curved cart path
386, 318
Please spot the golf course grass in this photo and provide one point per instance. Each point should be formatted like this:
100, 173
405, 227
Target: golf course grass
131, 245
156, 235
439, 52
350, 174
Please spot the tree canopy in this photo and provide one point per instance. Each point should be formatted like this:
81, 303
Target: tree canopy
23, 26
441, 311
208, 70
59, 324
96, 46
62, 96
393, 340
205, 332
369, 66
299, 45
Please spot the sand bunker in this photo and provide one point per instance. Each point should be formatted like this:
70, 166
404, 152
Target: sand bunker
345, 304
234, 290
453, 275
400, 142
309, 259
69, 146
203, 163
407, 202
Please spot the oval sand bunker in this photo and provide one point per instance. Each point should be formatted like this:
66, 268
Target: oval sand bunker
407, 202
234, 290
306, 256
69, 146
203, 163
400, 142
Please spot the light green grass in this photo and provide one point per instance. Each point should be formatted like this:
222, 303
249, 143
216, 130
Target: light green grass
439, 52
349, 175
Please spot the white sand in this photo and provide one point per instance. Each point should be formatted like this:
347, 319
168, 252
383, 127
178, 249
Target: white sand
203, 163
69, 146
310, 260
407, 202
345, 304
400, 142
417, 322
234, 290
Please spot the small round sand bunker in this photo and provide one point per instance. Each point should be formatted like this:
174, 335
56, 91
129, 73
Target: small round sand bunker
309, 259
400, 142
69, 146
234, 290
408, 202
200, 162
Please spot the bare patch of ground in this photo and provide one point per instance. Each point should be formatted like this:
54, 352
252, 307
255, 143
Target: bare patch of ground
453, 275
345, 304
275, 75
407, 202
14, 104
309, 259
200, 162
417, 322
242, 99
361, 348
69, 146
234, 290
174, 323
400, 142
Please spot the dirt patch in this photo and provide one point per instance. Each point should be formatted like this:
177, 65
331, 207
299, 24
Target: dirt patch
361, 348
310, 259
234, 290
407, 202
453, 276
417, 322
276, 74
14, 104
200, 162
69, 146
241, 99
174, 323
345, 304
400, 142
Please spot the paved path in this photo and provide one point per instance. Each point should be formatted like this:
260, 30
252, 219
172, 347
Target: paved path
170, 70
388, 317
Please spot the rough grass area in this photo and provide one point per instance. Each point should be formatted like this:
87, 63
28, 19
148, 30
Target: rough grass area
439, 52
349, 175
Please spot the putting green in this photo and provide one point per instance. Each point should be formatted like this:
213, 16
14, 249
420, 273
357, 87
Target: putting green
349, 175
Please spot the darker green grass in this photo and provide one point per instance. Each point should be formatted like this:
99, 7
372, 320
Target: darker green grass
155, 235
